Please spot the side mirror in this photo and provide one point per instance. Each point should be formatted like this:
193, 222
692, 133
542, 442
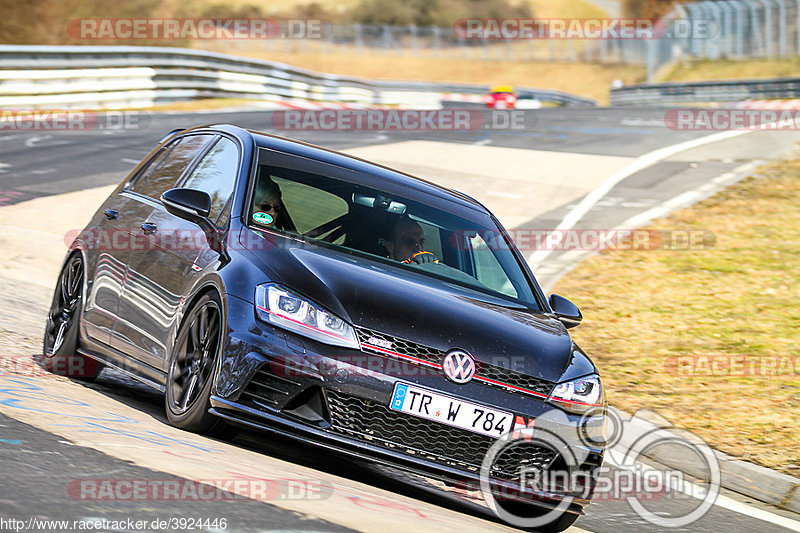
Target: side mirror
566, 311
195, 206
190, 204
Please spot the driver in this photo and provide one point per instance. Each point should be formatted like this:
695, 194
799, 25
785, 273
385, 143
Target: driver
269, 208
406, 242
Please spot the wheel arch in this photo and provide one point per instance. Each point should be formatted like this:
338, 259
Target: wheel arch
202, 287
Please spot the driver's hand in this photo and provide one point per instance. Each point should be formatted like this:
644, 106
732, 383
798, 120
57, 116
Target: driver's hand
422, 257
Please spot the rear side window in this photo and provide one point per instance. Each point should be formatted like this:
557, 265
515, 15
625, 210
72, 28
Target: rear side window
216, 174
162, 174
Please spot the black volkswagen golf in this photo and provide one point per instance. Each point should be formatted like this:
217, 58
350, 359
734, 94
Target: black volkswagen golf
263, 282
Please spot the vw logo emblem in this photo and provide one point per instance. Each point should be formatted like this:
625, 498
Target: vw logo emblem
458, 366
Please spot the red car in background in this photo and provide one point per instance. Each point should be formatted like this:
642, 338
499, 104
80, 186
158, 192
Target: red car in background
501, 97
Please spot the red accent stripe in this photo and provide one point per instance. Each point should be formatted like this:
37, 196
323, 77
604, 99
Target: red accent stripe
383, 350
434, 365
573, 402
302, 324
539, 394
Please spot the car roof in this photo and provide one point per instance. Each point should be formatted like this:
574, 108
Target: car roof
326, 155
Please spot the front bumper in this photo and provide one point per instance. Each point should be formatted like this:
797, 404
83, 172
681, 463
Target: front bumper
338, 399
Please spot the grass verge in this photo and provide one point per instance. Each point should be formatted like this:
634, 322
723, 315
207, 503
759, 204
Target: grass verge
203, 104
725, 69
589, 80
648, 313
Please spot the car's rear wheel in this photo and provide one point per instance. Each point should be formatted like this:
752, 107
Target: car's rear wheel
61, 336
192, 366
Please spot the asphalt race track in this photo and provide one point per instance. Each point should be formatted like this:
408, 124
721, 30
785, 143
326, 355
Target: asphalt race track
57, 433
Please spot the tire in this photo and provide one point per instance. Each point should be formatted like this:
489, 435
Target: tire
192, 367
559, 524
526, 511
61, 336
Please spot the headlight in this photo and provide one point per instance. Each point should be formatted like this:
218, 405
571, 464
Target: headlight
579, 395
284, 308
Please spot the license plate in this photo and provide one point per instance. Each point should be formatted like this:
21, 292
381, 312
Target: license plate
438, 407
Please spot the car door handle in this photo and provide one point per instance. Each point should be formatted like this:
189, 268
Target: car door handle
149, 227
111, 214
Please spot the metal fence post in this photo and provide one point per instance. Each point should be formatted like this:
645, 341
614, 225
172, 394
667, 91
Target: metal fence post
727, 16
755, 46
797, 26
715, 13
740, 13
736, 37
768, 28
387, 37
436, 31
359, 38
692, 9
782, 44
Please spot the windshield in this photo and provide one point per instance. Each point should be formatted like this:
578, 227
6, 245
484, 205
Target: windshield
381, 226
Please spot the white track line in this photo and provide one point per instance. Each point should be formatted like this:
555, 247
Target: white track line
699, 492
688, 197
565, 262
641, 162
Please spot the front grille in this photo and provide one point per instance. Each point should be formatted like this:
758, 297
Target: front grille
402, 346
500, 377
378, 425
503, 376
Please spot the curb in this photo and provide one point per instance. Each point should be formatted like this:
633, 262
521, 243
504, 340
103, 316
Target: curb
748, 479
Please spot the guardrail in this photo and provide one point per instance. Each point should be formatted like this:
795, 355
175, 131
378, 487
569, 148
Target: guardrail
141, 76
709, 91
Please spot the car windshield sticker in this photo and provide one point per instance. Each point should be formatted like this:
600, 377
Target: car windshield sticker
262, 218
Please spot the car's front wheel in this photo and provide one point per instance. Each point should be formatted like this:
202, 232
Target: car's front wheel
61, 339
191, 368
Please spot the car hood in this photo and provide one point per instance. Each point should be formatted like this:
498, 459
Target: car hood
413, 306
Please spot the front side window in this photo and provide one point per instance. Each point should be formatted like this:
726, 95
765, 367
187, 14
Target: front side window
216, 174
374, 225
